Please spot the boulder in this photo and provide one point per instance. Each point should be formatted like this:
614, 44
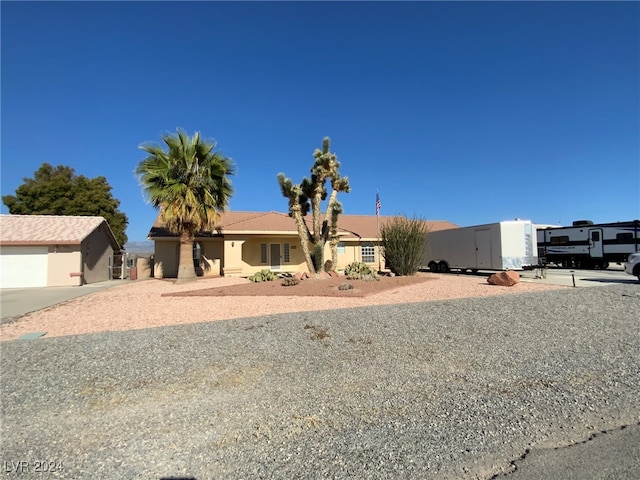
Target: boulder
334, 274
504, 279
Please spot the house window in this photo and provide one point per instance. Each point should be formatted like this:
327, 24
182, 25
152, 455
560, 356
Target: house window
368, 253
287, 256
263, 253
197, 254
341, 248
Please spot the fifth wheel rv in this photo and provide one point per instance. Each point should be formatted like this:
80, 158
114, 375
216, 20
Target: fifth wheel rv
496, 246
588, 245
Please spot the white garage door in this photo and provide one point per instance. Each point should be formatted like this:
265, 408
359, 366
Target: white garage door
23, 267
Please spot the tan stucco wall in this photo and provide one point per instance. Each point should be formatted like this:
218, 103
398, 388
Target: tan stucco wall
64, 260
96, 252
143, 268
250, 259
353, 253
166, 255
211, 251
239, 255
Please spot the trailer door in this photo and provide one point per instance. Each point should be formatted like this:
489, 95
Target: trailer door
483, 249
595, 243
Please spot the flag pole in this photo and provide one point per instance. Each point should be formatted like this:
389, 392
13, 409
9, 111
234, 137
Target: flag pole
378, 227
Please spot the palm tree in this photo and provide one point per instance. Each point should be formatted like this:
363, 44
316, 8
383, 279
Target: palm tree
189, 184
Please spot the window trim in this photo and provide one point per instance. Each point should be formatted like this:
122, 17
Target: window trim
364, 257
264, 256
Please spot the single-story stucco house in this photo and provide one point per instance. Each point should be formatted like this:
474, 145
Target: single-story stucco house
248, 242
55, 251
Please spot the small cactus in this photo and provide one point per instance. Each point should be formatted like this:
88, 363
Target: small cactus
360, 271
264, 275
290, 282
345, 286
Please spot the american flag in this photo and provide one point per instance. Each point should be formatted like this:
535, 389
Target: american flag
378, 204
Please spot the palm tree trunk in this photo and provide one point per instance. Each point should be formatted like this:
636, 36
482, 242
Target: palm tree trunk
186, 270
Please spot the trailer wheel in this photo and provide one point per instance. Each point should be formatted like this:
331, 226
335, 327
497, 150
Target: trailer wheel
474, 270
443, 267
433, 266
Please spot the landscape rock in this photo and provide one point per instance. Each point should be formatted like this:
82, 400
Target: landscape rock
319, 275
504, 279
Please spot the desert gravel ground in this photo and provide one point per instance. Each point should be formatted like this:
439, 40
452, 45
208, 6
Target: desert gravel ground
145, 304
455, 388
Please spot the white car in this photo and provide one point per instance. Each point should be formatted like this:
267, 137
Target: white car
632, 267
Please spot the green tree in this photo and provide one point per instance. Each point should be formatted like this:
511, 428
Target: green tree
188, 183
403, 243
308, 196
59, 191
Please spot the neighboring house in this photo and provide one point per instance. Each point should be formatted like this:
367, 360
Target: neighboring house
248, 242
55, 251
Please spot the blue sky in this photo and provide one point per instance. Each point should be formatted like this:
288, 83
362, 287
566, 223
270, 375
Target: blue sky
469, 112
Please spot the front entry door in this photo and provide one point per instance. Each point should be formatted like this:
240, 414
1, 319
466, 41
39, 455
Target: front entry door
274, 256
595, 243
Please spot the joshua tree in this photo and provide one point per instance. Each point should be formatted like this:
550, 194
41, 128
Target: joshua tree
189, 184
307, 197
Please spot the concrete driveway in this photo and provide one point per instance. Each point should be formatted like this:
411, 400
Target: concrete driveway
15, 302
569, 278
582, 278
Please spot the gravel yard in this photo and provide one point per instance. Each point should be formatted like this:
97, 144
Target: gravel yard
453, 388
151, 303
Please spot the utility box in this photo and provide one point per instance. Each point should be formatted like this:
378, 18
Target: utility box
133, 273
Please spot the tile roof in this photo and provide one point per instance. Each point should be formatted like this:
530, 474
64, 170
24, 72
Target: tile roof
350, 226
48, 229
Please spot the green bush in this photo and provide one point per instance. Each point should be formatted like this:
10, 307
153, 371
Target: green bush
360, 271
265, 275
403, 241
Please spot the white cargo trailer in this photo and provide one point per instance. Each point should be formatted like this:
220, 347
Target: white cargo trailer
509, 245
